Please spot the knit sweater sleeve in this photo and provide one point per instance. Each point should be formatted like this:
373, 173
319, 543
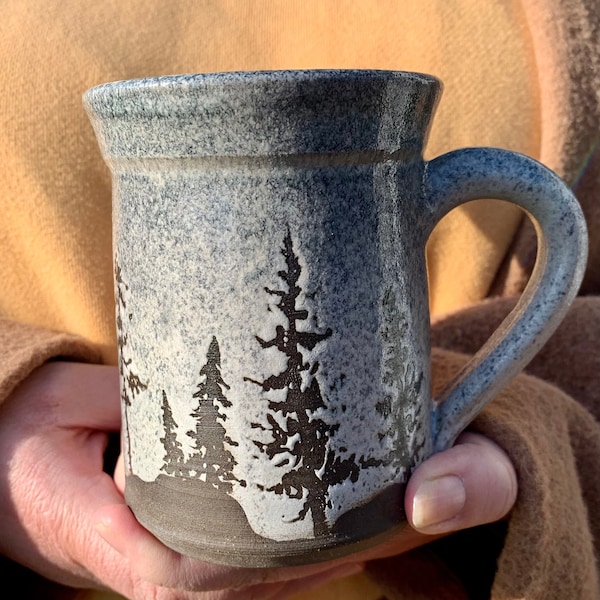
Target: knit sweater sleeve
24, 347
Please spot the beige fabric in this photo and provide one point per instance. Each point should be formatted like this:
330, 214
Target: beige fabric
23, 348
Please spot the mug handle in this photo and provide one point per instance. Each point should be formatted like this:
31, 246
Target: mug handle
475, 173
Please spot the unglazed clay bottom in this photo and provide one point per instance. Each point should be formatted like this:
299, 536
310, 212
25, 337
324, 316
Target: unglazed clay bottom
371, 524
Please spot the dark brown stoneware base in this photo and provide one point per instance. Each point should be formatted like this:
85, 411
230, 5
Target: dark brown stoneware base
200, 525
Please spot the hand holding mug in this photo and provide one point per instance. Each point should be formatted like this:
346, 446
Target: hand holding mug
272, 308
49, 433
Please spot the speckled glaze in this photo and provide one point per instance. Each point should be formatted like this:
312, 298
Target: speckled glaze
272, 310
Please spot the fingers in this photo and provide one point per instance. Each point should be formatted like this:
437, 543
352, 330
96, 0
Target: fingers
470, 484
76, 394
119, 474
95, 401
52, 439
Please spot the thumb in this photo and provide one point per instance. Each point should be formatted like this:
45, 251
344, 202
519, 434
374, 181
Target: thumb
470, 484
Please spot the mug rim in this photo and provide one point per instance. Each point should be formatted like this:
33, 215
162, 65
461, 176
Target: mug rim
263, 113
95, 96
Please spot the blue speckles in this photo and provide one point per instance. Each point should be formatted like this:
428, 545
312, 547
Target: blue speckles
475, 173
292, 112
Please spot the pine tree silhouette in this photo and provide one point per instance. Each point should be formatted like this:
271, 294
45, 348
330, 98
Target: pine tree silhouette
300, 446
131, 384
174, 458
212, 462
400, 375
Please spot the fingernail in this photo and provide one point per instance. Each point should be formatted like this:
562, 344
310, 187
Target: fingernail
104, 530
101, 527
436, 502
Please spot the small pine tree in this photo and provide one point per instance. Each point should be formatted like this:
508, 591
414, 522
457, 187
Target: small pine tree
401, 377
212, 462
131, 384
174, 460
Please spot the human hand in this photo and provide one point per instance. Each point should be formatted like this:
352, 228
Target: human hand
56, 499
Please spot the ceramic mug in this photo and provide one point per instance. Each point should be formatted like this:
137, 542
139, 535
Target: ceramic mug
272, 301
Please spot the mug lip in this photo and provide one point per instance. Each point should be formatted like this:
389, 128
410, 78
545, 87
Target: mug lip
263, 113
129, 88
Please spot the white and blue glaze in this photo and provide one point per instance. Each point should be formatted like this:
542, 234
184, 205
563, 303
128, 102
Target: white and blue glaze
272, 310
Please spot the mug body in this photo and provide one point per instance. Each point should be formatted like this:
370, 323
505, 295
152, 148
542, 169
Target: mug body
272, 310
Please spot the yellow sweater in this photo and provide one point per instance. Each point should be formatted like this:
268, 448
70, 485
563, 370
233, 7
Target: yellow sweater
55, 198
55, 226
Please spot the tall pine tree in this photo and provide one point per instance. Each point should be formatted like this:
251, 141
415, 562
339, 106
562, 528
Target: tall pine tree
400, 408
300, 447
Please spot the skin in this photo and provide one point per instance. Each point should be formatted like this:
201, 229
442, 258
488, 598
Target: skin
65, 518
